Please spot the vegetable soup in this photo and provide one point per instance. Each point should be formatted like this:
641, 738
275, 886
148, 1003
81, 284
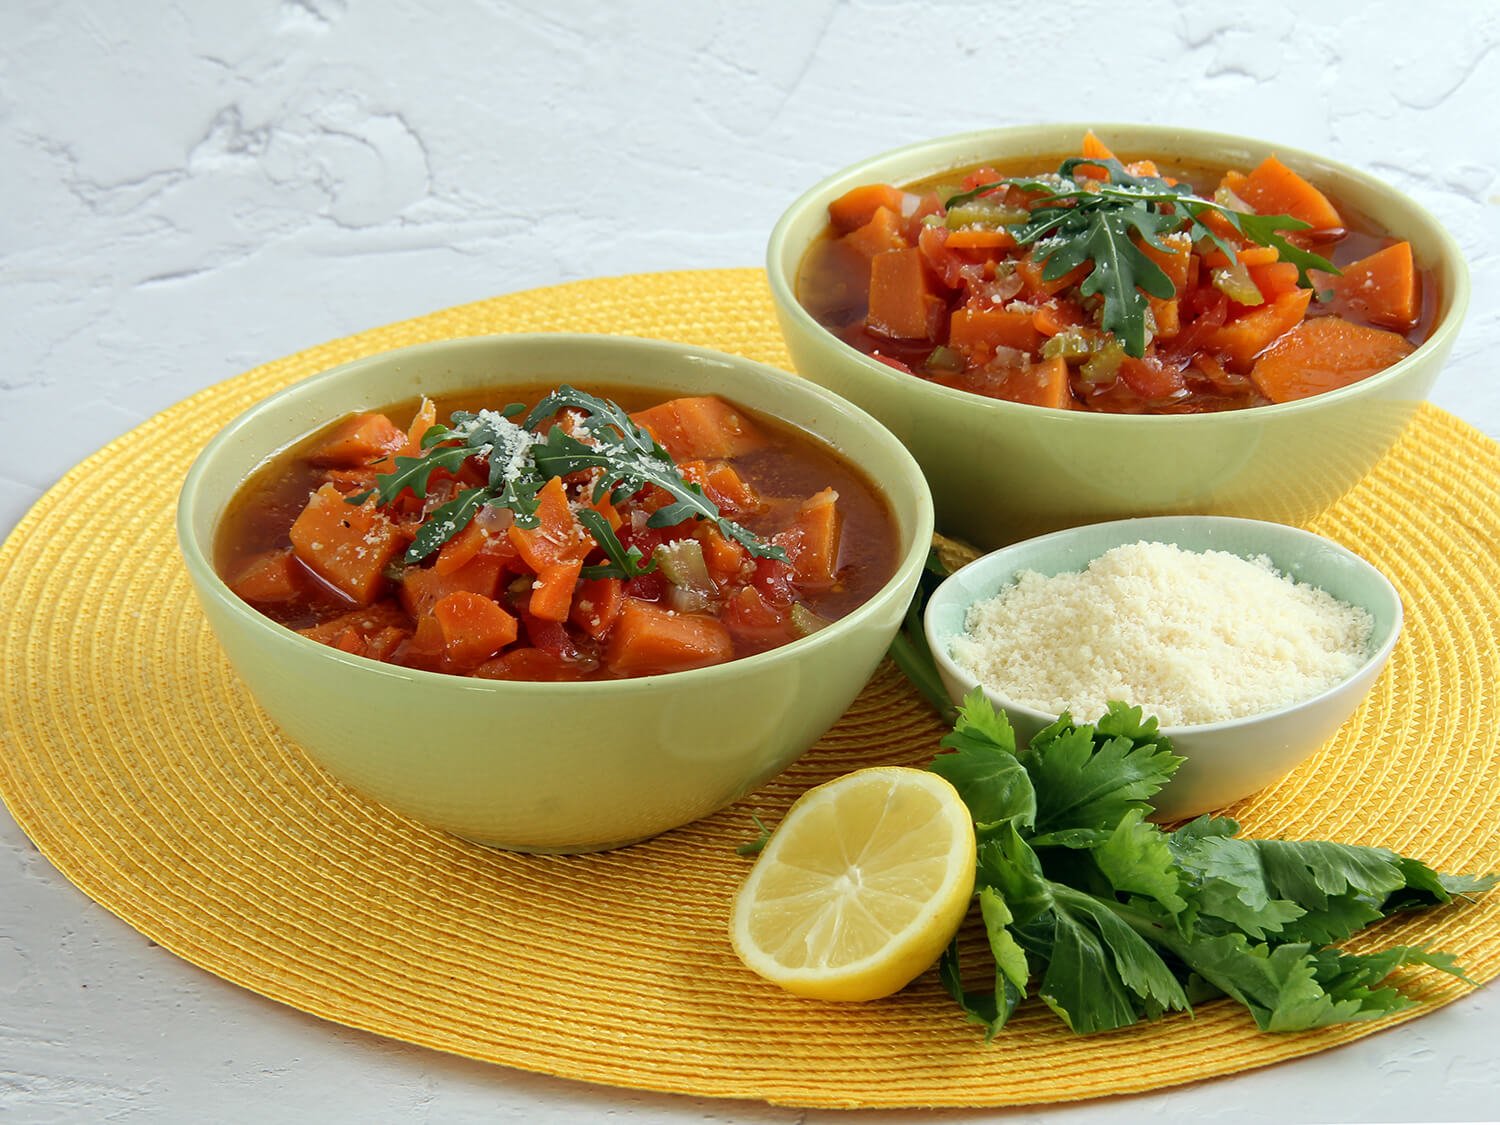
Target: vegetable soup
561, 538
1124, 288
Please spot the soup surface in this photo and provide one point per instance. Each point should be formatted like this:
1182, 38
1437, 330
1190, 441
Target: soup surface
560, 538
1127, 288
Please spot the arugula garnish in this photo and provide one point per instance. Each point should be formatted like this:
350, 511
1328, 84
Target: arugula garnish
1076, 220
622, 457
1113, 920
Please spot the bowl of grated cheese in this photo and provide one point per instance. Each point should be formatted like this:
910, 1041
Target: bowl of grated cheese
1251, 642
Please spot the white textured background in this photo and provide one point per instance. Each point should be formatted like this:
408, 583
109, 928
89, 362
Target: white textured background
190, 189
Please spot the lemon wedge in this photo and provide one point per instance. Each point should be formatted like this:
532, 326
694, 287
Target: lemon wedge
861, 887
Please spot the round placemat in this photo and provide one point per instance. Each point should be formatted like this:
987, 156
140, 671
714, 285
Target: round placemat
135, 761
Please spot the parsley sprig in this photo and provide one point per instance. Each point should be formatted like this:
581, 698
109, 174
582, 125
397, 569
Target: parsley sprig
623, 457
1111, 919
1076, 220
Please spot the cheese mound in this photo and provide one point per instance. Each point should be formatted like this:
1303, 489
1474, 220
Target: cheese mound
1189, 637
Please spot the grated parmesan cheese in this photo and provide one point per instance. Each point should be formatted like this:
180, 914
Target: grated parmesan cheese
1189, 637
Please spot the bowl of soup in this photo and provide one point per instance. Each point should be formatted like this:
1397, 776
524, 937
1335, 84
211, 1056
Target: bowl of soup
1067, 324
554, 593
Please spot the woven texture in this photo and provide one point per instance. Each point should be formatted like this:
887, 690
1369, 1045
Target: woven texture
135, 761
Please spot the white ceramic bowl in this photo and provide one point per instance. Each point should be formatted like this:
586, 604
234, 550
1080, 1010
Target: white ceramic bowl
1227, 760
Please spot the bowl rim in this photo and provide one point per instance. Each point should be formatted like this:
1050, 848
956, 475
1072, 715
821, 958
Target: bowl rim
783, 292
191, 504
1379, 652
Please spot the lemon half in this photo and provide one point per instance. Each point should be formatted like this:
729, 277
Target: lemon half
861, 887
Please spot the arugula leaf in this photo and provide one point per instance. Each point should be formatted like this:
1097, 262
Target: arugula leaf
1075, 221
446, 521
623, 456
626, 458
622, 563
413, 473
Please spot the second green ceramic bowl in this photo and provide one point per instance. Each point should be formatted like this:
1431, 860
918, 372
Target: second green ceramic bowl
556, 767
1003, 471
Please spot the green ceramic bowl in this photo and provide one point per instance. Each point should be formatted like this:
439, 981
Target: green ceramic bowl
1003, 471
549, 766
1227, 760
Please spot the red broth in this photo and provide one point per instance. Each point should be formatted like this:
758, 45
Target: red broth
959, 304
498, 601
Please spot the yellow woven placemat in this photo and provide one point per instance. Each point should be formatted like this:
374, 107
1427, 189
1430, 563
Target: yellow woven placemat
134, 760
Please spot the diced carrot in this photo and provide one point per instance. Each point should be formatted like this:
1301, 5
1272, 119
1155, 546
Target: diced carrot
352, 480
980, 238
383, 644
978, 330
884, 231
723, 556
461, 548
1168, 316
358, 440
1031, 272
1252, 256
1323, 354
1176, 262
1040, 384
1274, 189
1381, 288
347, 545
1094, 149
350, 641
902, 304
552, 592
857, 206
1274, 278
531, 664
1057, 315
813, 546
700, 427
424, 419
474, 629
557, 536
1240, 340
597, 605
730, 492
648, 640
370, 621
1150, 378
274, 576
610, 513
714, 429
1173, 261
423, 587
753, 622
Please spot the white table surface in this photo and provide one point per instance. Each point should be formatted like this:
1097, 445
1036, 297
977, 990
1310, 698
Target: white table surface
192, 189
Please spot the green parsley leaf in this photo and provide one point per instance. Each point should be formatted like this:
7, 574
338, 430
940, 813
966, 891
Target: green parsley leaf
1112, 920
1085, 778
984, 768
